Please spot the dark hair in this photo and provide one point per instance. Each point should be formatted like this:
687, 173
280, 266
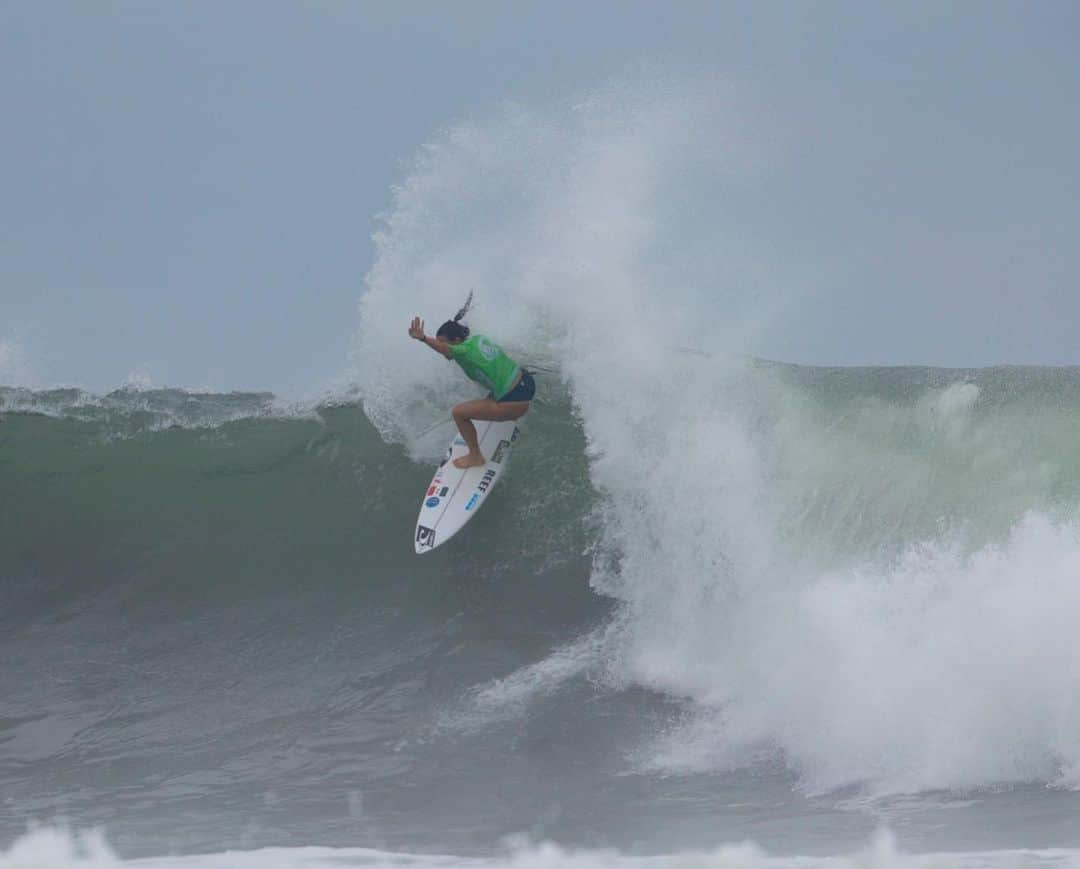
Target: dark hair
453, 329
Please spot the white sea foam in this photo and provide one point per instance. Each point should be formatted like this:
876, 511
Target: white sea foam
882, 590
946, 670
512, 695
53, 848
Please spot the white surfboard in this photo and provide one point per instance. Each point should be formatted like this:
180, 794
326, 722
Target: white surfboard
454, 495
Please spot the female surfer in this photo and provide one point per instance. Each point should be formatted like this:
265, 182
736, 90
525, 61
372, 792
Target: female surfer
512, 387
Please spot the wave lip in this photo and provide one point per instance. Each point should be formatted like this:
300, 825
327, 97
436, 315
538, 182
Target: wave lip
130, 410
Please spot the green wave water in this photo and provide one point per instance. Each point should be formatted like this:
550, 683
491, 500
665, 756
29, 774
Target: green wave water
825, 582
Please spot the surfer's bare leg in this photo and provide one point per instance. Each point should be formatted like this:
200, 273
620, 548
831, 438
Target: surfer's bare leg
487, 409
468, 431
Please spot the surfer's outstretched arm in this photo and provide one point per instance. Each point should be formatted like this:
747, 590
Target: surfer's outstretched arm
416, 330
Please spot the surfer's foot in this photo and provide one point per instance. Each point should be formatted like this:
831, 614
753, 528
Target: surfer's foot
472, 460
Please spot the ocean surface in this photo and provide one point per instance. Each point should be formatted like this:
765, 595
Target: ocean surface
829, 612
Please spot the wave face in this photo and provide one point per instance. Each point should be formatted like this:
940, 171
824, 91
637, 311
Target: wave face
213, 621
836, 587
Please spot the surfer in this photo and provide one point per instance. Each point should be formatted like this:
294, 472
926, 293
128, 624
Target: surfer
511, 386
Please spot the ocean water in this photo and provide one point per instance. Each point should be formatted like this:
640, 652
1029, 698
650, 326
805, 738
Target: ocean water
857, 615
722, 611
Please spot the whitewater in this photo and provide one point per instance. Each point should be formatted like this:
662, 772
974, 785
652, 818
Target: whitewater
717, 600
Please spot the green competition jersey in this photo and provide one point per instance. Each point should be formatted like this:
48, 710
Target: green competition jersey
485, 362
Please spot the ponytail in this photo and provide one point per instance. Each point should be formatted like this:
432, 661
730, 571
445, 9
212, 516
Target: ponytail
454, 329
460, 315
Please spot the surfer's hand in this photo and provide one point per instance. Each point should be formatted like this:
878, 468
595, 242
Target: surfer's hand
416, 330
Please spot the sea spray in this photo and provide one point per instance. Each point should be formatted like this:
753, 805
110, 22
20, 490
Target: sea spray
796, 553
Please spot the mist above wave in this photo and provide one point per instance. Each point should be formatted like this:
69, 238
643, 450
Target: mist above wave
843, 574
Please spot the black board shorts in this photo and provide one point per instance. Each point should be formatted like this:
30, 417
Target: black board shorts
524, 391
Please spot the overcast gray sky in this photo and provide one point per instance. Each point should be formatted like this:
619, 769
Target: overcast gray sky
188, 189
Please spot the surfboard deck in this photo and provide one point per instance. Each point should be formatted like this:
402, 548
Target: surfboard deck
454, 495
